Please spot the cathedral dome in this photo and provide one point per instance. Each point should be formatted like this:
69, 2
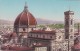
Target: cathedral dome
25, 18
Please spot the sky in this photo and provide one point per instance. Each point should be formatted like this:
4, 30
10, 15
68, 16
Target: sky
45, 9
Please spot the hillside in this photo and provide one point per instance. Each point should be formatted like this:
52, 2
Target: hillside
45, 21
39, 21
5, 22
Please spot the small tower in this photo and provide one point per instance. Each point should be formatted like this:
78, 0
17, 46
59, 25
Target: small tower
69, 28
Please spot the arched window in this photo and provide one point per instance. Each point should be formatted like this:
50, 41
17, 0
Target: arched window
37, 36
60, 49
59, 37
31, 35
71, 37
71, 21
51, 37
24, 29
43, 36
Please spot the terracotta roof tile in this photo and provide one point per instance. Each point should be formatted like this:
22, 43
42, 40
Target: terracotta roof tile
43, 32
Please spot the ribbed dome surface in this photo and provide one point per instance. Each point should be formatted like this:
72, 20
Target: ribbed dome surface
25, 18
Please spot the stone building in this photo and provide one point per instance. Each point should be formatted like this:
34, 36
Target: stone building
65, 39
69, 28
26, 35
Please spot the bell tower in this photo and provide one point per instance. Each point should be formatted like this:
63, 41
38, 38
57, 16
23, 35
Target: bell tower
69, 28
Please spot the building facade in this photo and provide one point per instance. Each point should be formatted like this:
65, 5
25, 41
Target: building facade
25, 34
69, 28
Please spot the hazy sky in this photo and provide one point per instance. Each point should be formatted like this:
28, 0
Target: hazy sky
47, 9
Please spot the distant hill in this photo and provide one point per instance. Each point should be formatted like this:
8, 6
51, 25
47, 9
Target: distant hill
5, 22
45, 21
39, 21
77, 20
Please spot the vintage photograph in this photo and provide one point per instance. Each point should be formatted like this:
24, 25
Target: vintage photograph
39, 25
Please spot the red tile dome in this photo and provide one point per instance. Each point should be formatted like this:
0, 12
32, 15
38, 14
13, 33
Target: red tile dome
25, 18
